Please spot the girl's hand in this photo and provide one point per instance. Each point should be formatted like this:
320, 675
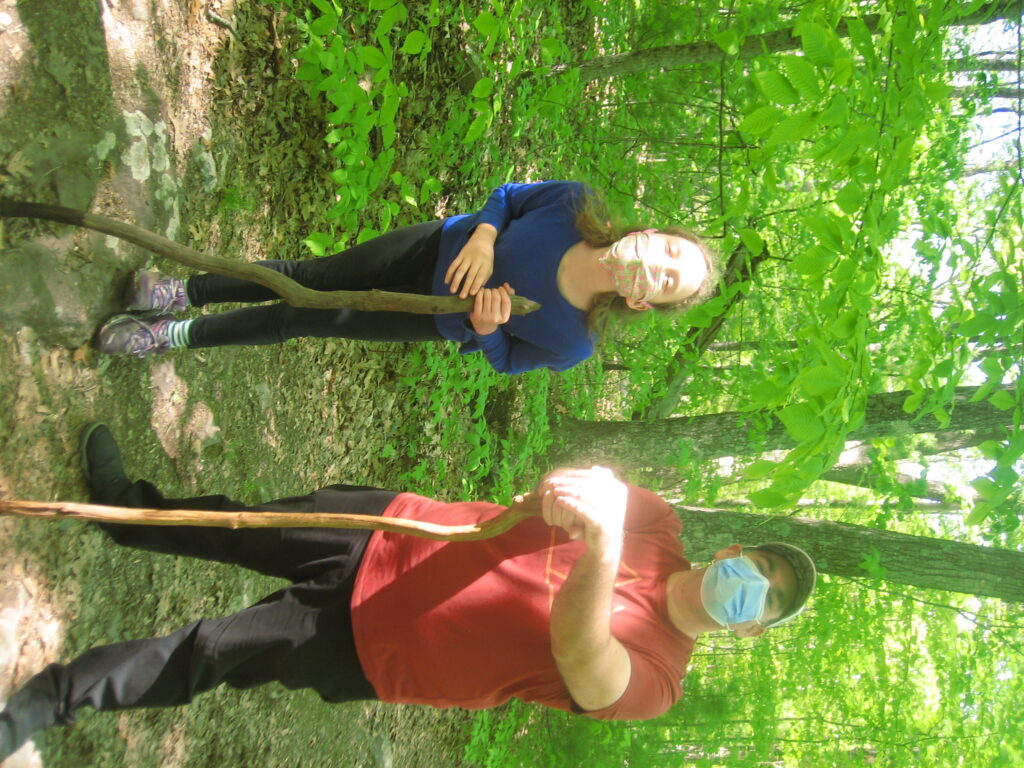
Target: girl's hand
474, 264
491, 307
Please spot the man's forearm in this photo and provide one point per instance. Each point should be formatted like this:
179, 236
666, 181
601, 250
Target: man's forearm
594, 665
582, 610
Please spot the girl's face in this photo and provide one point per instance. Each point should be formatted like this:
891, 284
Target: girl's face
679, 261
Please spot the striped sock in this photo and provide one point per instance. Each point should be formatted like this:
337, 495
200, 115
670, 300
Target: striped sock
177, 332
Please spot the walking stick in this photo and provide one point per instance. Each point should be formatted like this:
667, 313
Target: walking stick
522, 508
293, 293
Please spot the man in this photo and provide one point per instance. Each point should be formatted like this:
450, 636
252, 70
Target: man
588, 607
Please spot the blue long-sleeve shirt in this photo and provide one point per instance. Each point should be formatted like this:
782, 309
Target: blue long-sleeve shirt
536, 226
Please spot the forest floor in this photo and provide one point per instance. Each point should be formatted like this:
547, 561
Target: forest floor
153, 112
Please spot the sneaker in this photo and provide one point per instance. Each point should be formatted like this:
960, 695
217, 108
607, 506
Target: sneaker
102, 464
129, 335
152, 291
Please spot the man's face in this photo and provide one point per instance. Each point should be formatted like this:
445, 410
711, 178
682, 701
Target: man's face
781, 587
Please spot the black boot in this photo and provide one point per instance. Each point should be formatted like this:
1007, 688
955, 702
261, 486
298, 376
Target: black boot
29, 710
101, 460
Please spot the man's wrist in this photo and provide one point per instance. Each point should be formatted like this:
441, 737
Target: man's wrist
607, 548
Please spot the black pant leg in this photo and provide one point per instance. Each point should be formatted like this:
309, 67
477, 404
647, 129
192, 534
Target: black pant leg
295, 554
300, 636
403, 259
277, 323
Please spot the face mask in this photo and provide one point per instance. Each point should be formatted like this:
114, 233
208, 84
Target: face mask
625, 260
734, 591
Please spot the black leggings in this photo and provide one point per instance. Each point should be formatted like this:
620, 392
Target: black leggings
300, 636
401, 261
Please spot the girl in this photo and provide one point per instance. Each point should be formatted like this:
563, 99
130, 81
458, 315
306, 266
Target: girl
550, 242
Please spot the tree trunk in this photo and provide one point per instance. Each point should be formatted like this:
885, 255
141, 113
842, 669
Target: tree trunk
983, 65
860, 471
692, 54
920, 507
839, 548
863, 476
653, 443
976, 92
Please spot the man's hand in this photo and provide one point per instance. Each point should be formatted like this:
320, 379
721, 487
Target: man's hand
587, 503
474, 263
492, 307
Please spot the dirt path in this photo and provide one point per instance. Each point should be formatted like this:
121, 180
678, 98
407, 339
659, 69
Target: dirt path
103, 111
150, 112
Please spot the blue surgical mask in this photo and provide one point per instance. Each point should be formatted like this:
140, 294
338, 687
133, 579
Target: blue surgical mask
734, 591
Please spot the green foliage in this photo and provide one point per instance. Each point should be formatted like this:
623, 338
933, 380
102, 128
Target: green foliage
828, 165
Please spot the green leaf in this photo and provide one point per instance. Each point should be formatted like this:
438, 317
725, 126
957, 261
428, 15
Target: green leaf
821, 381
872, 563
814, 261
761, 120
483, 88
415, 42
318, 243
837, 112
991, 449
728, 41
986, 487
913, 402
938, 92
776, 87
1003, 400
389, 108
486, 23
390, 19
759, 469
325, 24
373, 57
768, 497
308, 71
477, 127
828, 233
862, 39
814, 39
944, 369
992, 367
752, 241
794, 128
979, 513
842, 71
850, 198
802, 76
845, 325
381, 5
802, 422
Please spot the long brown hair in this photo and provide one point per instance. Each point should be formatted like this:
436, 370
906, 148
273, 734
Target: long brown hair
598, 230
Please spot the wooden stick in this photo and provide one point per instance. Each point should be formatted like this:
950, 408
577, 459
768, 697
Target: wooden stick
522, 508
293, 293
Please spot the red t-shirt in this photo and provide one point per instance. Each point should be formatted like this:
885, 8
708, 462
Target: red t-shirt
468, 624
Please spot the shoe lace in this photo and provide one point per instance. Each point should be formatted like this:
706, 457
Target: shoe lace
166, 292
146, 338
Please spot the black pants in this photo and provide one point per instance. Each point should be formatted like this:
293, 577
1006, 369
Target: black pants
401, 261
300, 636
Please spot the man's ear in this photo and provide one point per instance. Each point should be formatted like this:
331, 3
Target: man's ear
732, 550
637, 306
